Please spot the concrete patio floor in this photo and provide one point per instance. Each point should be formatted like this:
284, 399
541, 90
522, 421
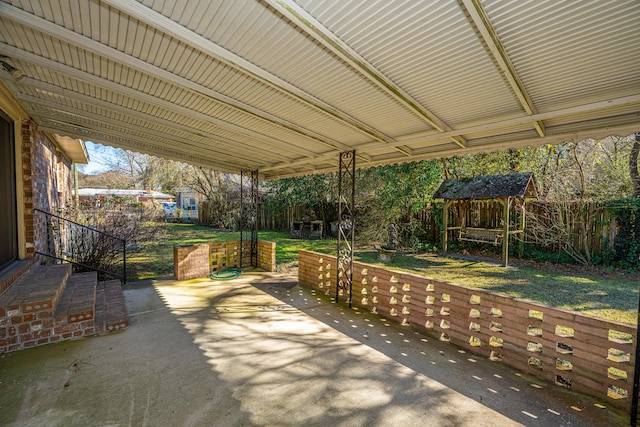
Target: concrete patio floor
261, 351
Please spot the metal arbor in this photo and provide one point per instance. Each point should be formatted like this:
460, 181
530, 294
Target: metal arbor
346, 226
249, 215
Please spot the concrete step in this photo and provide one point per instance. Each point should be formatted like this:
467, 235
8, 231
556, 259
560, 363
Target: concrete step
111, 310
76, 309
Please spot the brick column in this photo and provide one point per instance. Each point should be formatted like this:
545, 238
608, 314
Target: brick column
190, 262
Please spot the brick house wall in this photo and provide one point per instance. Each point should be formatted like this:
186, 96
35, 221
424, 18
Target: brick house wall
47, 184
43, 179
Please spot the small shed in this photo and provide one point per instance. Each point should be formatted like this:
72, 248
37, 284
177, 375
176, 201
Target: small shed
187, 201
506, 189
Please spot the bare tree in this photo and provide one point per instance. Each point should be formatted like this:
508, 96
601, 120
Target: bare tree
220, 190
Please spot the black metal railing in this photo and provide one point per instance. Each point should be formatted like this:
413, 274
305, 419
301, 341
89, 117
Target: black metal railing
86, 247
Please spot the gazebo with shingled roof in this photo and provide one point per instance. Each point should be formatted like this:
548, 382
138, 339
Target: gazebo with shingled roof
506, 189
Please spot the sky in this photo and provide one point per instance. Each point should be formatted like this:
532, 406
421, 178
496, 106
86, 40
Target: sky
100, 156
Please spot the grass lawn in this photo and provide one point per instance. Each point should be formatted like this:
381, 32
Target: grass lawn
607, 294
155, 257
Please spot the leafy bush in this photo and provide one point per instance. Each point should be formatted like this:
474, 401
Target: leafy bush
626, 246
536, 254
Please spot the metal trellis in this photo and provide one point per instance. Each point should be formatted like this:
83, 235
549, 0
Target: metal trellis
346, 227
249, 215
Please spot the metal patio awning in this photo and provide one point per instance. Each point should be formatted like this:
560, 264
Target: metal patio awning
283, 86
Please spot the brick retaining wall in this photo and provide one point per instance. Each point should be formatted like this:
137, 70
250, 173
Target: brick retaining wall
193, 261
587, 354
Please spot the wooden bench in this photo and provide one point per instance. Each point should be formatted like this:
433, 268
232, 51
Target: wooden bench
481, 235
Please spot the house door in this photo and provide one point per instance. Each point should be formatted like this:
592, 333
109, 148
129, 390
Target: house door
8, 221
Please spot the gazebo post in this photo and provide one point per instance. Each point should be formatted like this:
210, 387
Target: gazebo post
506, 202
445, 225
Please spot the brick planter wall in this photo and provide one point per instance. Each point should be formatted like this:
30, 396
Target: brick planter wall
193, 261
585, 353
267, 255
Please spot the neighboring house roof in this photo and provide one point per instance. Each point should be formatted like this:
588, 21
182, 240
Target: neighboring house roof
122, 193
184, 190
489, 187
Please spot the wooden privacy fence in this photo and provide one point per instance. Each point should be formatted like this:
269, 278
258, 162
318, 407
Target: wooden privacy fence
569, 349
550, 226
282, 221
586, 226
266, 219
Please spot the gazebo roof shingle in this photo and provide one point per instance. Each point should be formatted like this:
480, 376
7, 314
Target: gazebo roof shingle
488, 187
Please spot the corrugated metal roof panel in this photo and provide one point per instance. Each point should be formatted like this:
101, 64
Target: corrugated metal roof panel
291, 56
312, 79
553, 47
428, 49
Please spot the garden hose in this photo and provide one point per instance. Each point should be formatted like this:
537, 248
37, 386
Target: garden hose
226, 274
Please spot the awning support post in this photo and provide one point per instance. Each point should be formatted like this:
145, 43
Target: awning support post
249, 216
254, 218
346, 225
